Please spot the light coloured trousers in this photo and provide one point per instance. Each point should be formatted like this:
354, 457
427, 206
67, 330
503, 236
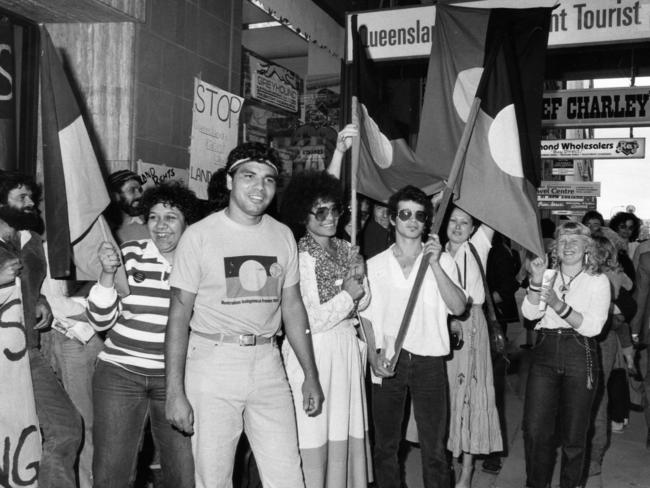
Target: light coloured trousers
233, 388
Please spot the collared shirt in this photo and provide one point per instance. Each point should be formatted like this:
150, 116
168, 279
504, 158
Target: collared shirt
468, 270
588, 294
390, 290
132, 229
137, 323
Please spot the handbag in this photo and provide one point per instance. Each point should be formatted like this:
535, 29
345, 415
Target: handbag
495, 331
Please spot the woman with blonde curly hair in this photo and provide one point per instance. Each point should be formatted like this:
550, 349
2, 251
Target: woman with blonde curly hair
563, 376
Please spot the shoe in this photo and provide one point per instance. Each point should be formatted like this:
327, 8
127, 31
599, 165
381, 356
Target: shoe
618, 427
492, 465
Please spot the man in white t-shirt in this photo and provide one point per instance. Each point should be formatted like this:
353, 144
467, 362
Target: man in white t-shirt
234, 281
420, 368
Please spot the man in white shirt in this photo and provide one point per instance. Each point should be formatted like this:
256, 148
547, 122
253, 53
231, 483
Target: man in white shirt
420, 368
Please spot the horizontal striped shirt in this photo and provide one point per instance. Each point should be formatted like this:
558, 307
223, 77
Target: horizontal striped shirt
136, 323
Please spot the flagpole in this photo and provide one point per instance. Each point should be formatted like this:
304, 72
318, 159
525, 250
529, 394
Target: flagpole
456, 169
354, 166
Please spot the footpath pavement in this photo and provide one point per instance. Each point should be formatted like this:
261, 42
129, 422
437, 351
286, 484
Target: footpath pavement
626, 464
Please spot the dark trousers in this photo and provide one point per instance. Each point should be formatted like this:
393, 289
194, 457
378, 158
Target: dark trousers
557, 392
122, 402
60, 424
426, 380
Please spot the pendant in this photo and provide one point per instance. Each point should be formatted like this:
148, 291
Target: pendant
564, 288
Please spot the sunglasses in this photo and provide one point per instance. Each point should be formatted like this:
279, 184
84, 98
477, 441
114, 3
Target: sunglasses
321, 213
405, 215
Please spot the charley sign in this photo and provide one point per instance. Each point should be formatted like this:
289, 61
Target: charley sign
632, 148
596, 107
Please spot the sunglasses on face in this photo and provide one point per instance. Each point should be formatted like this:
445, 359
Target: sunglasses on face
405, 215
321, 213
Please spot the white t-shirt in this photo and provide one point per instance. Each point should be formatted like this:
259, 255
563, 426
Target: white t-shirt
390, 290
237, 273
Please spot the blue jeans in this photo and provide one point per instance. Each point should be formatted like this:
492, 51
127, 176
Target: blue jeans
557, 392
74, 364
60, 424
122, 403
426, 380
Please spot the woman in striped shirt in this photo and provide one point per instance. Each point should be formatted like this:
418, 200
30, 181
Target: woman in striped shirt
129, 381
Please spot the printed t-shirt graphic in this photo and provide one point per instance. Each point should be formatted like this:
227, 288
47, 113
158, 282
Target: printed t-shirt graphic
252, 277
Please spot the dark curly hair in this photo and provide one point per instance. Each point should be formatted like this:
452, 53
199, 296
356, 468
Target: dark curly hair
172, 194
254, 151
621, 218
593, 214
302, 193
10, 180
411, 194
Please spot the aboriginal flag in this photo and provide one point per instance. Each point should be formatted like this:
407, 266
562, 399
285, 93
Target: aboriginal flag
497, 56
74, 191
386, 162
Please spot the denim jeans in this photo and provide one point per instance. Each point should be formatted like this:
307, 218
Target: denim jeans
122, 403
233, 388
74, 364
557, 392
600, 429
60, 424
426, 380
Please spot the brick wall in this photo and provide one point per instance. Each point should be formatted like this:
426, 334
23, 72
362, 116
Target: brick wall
179, 40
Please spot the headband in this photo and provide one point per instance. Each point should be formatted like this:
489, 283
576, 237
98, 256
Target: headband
239, 162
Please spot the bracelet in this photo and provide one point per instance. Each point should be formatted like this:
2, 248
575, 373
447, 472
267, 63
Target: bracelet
307, 331
565, 314
534, 285
534, 288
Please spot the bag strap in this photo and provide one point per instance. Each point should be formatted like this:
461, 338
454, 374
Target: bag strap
488, 298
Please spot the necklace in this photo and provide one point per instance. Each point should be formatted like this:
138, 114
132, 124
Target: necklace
565, 287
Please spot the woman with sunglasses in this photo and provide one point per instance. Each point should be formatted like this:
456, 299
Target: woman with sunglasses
563, 376
334, 445
474, 421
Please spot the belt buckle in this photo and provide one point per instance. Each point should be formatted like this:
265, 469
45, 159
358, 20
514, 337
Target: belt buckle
247, 340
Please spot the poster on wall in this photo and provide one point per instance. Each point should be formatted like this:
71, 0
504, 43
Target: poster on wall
155, 174
273, 84
215, 125
322, 101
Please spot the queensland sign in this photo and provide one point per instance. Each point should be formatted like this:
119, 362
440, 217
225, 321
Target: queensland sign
597, 107
407, 32
633, 148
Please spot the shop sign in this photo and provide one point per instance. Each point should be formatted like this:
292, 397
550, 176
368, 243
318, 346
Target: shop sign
408, 32
565, 190
155, 174
563, 167
215, 125
632, 148
597, 107
580, 22
273, 84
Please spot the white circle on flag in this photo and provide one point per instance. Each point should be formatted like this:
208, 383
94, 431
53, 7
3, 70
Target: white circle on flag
503, 139
465, 91
252, 275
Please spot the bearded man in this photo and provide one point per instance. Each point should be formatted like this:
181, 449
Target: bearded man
124, 214
60, 423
